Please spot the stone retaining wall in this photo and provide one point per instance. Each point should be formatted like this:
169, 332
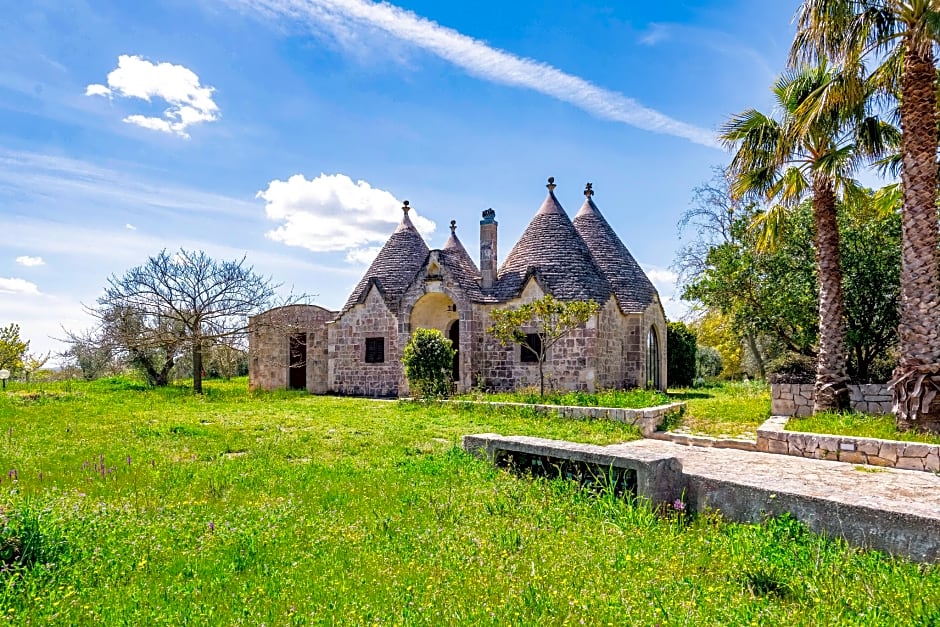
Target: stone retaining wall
647, 419
796, 399
772, 437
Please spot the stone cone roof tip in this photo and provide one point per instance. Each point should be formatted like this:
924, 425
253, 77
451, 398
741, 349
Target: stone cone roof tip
459, 262
395, 266
552, 247
634, 290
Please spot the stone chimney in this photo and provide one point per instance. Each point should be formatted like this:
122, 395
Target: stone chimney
488, 248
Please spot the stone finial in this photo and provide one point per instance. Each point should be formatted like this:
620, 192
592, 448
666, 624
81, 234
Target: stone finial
453, 226
551, 184
405, 207
588, 190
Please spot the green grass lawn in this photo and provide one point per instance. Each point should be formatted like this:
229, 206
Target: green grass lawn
630, 399
137, 506
728, 409
863, 425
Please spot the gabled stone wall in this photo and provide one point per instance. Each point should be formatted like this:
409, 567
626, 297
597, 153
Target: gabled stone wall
269, 346
570, 365
348, 371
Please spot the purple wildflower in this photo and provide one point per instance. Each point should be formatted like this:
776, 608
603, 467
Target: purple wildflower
678, 505
211, 526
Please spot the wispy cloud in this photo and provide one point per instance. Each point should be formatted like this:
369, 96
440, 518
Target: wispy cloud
715, 40
33, 174
342, 18
135, 77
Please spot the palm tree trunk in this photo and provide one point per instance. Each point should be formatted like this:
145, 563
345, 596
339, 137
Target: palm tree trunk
831, 389
916, 381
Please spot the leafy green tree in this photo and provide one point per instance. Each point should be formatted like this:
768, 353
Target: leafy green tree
772, 292
680, 355
429, 361
811, 150
12, 348
550, 320
900, 37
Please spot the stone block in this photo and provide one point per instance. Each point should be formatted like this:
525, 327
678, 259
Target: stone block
874, 460
910, 463
889, 451
868, 447
783, 407
852, 457
932, 462
777, 446
915, 449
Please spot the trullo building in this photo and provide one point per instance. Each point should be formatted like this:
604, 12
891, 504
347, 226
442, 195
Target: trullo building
358, 350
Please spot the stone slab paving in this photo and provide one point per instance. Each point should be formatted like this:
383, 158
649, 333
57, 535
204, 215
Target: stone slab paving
888, 489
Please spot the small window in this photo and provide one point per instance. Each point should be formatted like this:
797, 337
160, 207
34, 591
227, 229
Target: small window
531, 349
375, 350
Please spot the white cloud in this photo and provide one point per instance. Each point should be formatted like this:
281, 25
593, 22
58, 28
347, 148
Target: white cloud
665, 282
333, 213
30, 262
130, 227
662, 277
18, 286
363, 256
135, 77
343, 18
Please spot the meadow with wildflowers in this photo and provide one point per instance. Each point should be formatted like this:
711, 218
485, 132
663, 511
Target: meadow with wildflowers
123, 504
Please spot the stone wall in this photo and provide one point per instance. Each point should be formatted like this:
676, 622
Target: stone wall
348, 371
269, 346
772, 437
796, 399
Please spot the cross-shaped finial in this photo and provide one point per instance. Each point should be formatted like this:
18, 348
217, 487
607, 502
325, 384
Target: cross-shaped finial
551, 184
405, 207
453, 226
588, 190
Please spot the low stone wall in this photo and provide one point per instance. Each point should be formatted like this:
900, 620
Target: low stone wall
772, 437
796, 399
648, 419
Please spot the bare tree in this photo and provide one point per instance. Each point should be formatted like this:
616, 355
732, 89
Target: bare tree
179, 302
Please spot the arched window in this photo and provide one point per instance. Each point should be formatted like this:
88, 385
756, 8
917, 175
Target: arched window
653, 379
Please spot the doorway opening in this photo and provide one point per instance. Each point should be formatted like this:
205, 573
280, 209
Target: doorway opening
297, 370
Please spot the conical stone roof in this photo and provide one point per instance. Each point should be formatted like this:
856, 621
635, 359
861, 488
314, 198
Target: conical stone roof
552, 248
395, 266
630, 284
458, 261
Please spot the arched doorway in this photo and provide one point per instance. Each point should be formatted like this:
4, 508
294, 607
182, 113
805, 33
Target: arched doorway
653, 378
454, 335
436, 310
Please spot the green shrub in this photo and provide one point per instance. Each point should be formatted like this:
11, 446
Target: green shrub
429, 360
680, 354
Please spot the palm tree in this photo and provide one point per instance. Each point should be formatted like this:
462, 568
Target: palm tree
811, 148
901, 35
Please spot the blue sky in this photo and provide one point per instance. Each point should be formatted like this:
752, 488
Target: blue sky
289, 131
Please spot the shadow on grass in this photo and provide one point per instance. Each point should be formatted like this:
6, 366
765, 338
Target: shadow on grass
684, 396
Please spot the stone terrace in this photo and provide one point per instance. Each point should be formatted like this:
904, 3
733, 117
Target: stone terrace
892, 510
